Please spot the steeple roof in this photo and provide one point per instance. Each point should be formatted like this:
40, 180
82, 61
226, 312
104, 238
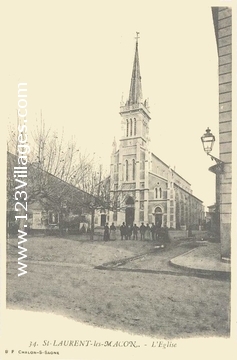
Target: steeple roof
135, 94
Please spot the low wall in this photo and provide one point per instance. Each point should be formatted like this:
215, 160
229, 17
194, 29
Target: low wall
177, 234
199, 234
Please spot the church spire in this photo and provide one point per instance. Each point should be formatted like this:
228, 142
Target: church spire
135, 94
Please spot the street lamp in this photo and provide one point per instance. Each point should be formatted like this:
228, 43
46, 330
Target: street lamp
208, 140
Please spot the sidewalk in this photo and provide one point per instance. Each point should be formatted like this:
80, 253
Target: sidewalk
203, 259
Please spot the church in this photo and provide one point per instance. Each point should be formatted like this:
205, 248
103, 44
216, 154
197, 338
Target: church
143, 189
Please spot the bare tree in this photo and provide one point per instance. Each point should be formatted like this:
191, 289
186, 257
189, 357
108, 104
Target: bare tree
53, 158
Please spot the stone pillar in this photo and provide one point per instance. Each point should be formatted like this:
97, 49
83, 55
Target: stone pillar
146, 206
137, 191
224, 43
137, 207
146, 187
225, 215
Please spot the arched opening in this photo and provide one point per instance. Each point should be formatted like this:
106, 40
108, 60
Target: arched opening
135, 126
130, 127
127, 128
158, 216
129, 201
129, 212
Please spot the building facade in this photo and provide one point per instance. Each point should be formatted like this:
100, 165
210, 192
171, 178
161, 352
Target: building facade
222, 18
52, 204
143, 188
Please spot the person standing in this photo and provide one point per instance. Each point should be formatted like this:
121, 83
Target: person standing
165, 235
129, 232
135, 231
106, 232
147, 232
112, 232
153, 231
157, 232
123, 231
142, 231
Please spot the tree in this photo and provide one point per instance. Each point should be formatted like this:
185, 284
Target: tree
113, 197
52, 159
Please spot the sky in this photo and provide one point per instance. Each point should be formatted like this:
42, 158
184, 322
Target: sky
77, 57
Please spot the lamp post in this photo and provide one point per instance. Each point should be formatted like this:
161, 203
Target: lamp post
208, 140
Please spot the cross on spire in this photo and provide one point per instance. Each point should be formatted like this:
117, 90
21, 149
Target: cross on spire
137, 37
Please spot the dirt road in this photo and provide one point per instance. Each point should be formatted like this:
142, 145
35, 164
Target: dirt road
62, 279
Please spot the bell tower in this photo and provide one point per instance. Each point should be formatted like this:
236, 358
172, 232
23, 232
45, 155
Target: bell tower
130, 163
135, 112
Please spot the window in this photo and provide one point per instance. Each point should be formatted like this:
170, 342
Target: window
37, 220
133, 169
158, 193
127, 128
53, 218
126, 170
130, 127
135, 126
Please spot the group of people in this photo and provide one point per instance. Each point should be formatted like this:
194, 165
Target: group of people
128, 232
109, 232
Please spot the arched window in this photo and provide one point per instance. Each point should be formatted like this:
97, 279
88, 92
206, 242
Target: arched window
127, 128
130, 127
135, 126
126, 170
133, 169
160, 193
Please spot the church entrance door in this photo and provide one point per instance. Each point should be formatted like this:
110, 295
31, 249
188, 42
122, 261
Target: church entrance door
158, 216
129, 216
129, 212
158, 220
